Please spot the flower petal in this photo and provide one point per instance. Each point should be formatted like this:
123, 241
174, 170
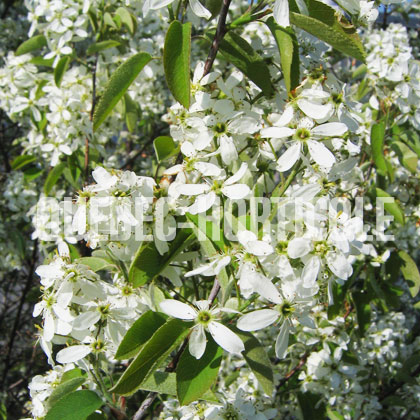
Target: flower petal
236, 192
298, 247
320, 154
310, 272
238, 175
282, 341
73, 353
330, 129
225, 338
277, 132
288, 158
257, 320
281, 13
178, 309
198, 341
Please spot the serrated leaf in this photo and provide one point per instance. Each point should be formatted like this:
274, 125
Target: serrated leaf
392, 207
101, 46
258, 361
406, 156
53, 177
60, 69
31, 44
75, 406
152, 355
323, 23
237, 51
63, 389
117, 85
176, 61
289, 53
377, 135
22, 161
139, 333
410, 272
95, 263
195, 376
148, 263
165, 148
363, 311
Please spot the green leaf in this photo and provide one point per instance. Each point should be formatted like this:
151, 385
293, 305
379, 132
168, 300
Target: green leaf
257, 359
53, 177
75, 406
63, 389
359, 71
238, 52
152, 355
60, 69
363, 311
377, 135
311, 406
31, 44
109, 21
165, 148
392, 208
131, 113
148, 263
289, 53
22, 161
71, 374
410, 273
126, 18
323, 23
101, 46
117, 85
176, 61
139, 333
209, 249
195, 376
406, 156
95, 263
32, 173
334, 415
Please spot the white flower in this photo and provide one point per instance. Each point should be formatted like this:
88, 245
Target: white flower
204, 319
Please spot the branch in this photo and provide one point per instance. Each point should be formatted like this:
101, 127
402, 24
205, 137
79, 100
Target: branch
220, 33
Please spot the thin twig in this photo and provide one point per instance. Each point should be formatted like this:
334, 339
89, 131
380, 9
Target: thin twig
220, 33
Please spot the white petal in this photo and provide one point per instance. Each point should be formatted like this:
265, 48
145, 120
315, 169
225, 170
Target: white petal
73, 353
339, 265
330, 129
192, 189
259, 248
282, 341
310, 272
207, 169
178, 309
306, 320
86, 320
49, 327
198, 341
277, 132
281, 12
236, 192
315, 110
320, 154
104, 178
225, 338
199, 9
298, 247
238, 175
288, 158
202, 203
257, 320
244, 125
264, 287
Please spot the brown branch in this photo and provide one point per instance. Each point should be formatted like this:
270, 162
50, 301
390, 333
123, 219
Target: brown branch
220, 33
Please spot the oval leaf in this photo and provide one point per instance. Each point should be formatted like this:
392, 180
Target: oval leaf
117, 85
194, 377
176, 61
75, 406
165, 147
22, 161
410, 272
63, 389
60, 69
139, 333
101, 46
377, 135
95, 263
392, 208
32, 44
53, 177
